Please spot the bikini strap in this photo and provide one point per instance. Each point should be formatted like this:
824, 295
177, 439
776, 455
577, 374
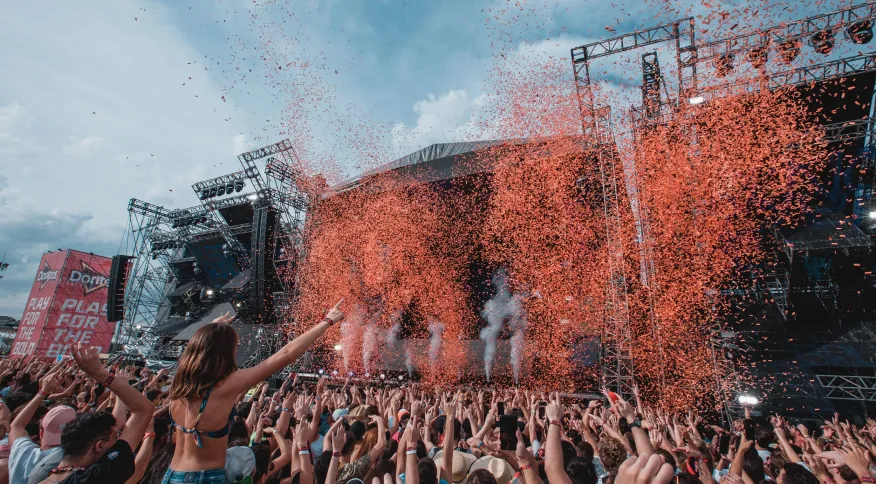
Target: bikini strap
201, 410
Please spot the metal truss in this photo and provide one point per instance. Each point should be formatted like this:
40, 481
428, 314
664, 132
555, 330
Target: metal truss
625, 42
219, 180
849, 130
787, 32
247, 160
147, 283
848, 387
651, 83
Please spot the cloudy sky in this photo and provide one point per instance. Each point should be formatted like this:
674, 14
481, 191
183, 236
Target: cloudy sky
105, 100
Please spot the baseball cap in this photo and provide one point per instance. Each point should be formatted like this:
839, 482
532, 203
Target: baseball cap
53, 423
239, 463
339, 413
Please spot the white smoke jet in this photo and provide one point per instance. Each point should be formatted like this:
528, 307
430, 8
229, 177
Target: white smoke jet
436, 332
504, 306
392, 341
369, 345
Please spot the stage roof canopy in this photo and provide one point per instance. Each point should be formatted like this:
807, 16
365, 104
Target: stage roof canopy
440, 161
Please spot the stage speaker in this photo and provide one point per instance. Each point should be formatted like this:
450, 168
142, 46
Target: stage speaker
115, 295
263, 274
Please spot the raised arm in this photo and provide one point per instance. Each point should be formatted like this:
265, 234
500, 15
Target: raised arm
339, 438
141, 407
248, 377
141, 460
447, 457
380, 446
553, 449
17, 428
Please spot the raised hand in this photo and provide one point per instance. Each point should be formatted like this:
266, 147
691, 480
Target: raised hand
225, 318
49, 384
88, 360
335, 314
645, 470
554, 410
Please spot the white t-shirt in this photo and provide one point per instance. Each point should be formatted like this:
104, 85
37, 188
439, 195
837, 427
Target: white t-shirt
24, 456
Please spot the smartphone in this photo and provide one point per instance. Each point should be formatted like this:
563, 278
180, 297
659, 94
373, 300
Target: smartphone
501, 406
724, 444
541, 406
750, 428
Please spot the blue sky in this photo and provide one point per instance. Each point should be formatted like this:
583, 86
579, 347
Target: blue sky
104, 100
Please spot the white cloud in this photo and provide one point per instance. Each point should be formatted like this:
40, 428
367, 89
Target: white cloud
452, 116
83, 146
142, 102
240, 143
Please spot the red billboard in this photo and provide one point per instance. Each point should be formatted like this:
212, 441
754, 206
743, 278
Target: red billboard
67, 305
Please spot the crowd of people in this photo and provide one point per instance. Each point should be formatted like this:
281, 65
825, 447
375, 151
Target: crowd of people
210, 422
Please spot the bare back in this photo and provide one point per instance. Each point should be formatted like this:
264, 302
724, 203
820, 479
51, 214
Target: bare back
189, 456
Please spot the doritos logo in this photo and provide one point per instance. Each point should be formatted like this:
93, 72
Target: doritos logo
46, 275
89, 278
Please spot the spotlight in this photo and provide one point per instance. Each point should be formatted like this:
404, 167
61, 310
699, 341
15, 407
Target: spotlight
220, 190
209, 292
696, 100
723, 65
338, 347
367, 375
823, 42
321, 371
401, 378
175, 223
237, 305
872, 213
335, 372
350, 374
789, 50
758, 57
205, 194
861, 32
382, 376
238, 185
214, 192
253, 196
139, 326
229, 188
748, 400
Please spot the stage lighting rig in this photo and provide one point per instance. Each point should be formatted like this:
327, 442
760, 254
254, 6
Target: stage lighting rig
823, 41
861, 32
758, 57
723, 65
789, 50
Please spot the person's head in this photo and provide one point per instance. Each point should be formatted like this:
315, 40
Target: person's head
581, 471
752, 464
208, 358
154, 396
763, 438
481, 476
17, 399
88, 436
792, 473
52, 425
427, 470
585, 450
774, 463
378, 469
612, 453
368, 442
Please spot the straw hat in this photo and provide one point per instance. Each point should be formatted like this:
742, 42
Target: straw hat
499, 468
461, 462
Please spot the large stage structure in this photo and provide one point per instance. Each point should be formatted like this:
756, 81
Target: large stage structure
710, 70
238, 250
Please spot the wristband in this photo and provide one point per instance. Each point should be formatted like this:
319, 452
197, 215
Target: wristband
327, 320
336, 454
481, 445
634, 423
411, 452
40, 392
148, 434
286, 410
556, 422
303, 452
866, 479
108, 380
302, 449
525, 467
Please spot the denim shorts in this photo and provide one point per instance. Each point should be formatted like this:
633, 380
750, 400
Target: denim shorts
212, 476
